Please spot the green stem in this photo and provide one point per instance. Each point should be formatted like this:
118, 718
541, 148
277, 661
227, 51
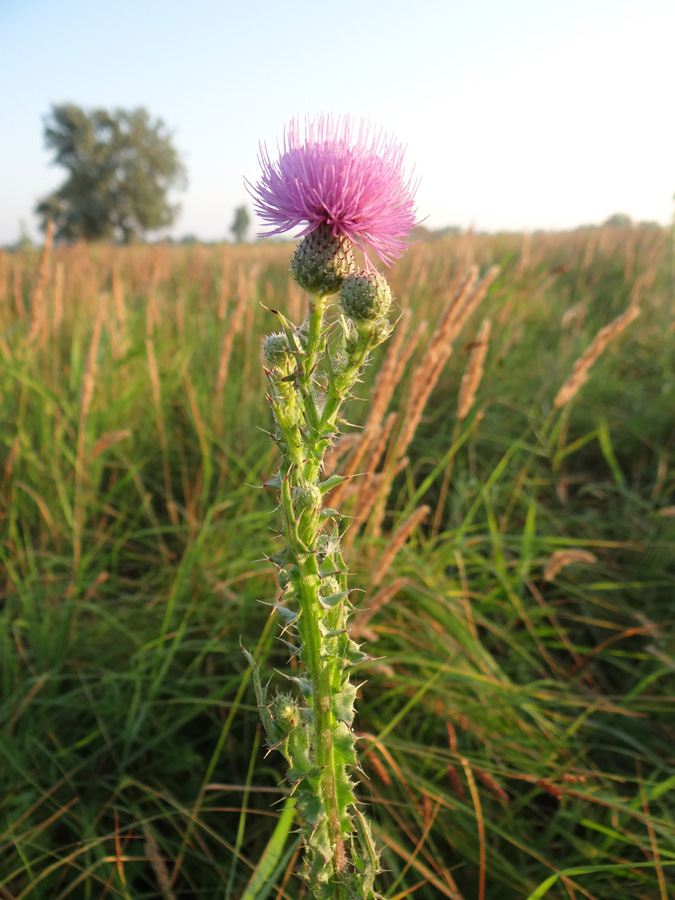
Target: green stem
307, 412
315, 314
324, 720
313, 328
339, 387
322, 677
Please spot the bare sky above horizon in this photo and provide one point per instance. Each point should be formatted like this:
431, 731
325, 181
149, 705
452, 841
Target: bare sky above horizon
521, 115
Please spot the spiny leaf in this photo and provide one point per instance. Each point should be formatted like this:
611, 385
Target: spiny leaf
343, 745
351, 652
343, 703
304, 684
288, 615
320, 841
331, 482
329, 513
301, 765
279, 558
346, 801
365, 851
332, 599
274, 733
309, 806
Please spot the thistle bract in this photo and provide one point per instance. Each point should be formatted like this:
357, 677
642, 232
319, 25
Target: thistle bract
322, 262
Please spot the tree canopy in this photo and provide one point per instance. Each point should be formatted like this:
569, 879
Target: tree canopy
121, 166
240, 223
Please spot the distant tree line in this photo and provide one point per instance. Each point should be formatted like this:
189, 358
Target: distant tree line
121, 166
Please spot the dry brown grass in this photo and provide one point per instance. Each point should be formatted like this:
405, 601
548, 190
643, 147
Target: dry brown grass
562, 558
397, 539
474, 371
580, 372
17, 284
359, 627
81, 469
245, 290
37, 312
57, 311
463, 302
218, 288
467, 395
370, 439
120, 310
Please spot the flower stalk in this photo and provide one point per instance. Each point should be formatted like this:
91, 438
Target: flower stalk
311, 370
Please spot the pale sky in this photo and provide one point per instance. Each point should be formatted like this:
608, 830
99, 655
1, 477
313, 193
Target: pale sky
516, 114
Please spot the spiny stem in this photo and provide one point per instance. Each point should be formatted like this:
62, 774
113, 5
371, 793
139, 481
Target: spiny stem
308, 385
307, 586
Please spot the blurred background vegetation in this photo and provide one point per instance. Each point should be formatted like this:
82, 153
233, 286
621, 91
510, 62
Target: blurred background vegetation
517, 557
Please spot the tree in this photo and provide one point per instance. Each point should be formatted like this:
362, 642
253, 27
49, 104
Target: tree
240, 223
618, 220
121, 166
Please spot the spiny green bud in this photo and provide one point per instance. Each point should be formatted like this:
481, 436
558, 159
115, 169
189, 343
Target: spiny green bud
284, 712
277, 353
322, 262
381, 331
365, 296
306, 496
352, 338
329, 586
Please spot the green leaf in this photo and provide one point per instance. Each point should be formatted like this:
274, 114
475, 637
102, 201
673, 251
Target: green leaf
343, 745
368, 855
320, 840
309, 806
288, 615
333, 599
297, 748
267, 870
331, 482
343, 703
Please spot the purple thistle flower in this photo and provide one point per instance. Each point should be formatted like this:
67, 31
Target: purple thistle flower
349, 178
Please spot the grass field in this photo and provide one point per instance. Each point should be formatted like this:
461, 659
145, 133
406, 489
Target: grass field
517, 727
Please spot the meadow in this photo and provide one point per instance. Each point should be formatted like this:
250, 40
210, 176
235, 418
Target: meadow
516, 538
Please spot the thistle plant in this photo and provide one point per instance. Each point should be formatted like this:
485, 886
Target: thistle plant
345, 184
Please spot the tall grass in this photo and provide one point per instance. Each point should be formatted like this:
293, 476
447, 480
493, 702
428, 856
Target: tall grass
516, 727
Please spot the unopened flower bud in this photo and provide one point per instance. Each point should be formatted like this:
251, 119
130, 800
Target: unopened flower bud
322, 262
365, 296
284, 711
351, 338
306, 496
381, 331
277, 354
329, 585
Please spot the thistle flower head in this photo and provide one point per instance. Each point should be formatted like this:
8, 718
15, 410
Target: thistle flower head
344, 175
